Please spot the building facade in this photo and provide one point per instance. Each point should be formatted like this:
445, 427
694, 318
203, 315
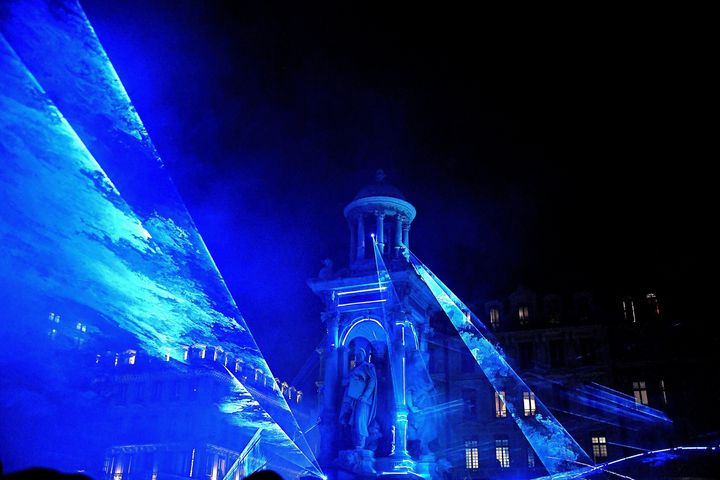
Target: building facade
438, 416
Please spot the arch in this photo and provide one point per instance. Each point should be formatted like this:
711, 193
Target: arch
369, 328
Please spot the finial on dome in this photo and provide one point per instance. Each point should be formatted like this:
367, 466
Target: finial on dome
379, 175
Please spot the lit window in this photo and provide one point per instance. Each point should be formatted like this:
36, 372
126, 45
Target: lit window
78, 326
202, 352
500, 407
97, 358
653, 303
640, 393
472, 455
663, 392
131, 358
523, 314
237, 365
530, 458
502, 452
494, 318
599, 448
628, 309
299, 396
528, 403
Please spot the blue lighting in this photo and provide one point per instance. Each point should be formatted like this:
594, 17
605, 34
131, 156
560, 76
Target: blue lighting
557, 450
93, 228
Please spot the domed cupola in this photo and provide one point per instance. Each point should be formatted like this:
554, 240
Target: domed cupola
381, 209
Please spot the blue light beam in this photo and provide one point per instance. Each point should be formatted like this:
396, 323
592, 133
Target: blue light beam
555, 447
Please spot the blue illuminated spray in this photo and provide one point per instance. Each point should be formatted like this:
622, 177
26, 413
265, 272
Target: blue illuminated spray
554, 446
663, 454
127, 249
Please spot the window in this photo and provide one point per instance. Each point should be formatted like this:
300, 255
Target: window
523, 314
500, 407
663, 392
587, 351
502, 451
472, 456
529, 403
628, 309
526, 355
494, 318
640, 393
553, 308
468, 395
530, 458
599, 447
557, 353
653, 303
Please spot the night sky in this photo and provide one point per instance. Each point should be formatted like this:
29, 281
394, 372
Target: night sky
558, 154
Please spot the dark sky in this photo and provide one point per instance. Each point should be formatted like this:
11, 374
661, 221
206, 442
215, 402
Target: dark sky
559, 150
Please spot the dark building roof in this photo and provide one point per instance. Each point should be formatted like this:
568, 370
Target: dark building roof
380, 188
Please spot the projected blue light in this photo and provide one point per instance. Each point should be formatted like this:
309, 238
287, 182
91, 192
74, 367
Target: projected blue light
376, 289
122, 255
662, 456
355, 324
556, 449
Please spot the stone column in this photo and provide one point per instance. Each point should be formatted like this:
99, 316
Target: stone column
399, 455
353, 247
329, 385
360, 238
398, 234
380, 234
406, 234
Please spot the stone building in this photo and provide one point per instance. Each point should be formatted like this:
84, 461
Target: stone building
438, 416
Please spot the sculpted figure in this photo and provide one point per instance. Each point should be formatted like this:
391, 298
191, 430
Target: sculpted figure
326, 272
360, 399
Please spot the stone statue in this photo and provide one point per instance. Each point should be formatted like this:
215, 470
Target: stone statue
360, 399
422, 425
423, 422
326, 272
